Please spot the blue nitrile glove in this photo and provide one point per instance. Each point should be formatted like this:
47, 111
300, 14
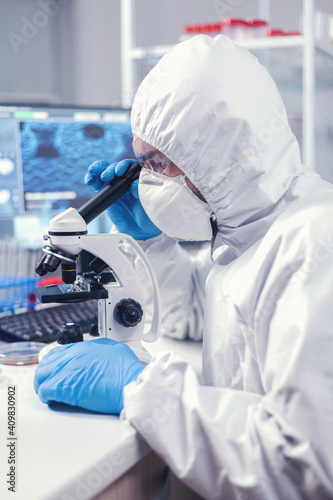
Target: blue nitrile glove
90, 374
127, 213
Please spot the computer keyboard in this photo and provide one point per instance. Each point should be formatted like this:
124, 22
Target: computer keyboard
43, 325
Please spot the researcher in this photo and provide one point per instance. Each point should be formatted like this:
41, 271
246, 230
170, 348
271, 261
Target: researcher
220, 164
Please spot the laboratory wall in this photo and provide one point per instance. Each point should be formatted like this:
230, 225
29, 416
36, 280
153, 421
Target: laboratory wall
68, 51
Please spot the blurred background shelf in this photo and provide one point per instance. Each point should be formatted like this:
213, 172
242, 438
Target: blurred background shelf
301, 66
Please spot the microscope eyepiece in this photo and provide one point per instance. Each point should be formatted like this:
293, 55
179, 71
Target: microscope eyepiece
110, 193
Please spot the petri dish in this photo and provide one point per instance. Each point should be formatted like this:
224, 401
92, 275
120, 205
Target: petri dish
20, 353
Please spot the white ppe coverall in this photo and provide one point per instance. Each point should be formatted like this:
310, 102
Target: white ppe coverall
261, 424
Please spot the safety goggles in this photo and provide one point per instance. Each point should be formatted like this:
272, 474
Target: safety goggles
150, 158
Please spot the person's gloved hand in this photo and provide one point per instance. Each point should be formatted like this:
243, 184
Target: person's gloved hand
90, 374
127, 213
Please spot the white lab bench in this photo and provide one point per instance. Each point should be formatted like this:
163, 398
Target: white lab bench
65, 454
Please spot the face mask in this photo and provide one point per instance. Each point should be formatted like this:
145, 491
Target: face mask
173, 207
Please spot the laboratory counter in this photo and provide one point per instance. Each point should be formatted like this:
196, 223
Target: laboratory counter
64, 453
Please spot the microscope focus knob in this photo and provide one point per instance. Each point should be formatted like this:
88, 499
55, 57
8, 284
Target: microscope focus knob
93, 330
70, 333
128, 312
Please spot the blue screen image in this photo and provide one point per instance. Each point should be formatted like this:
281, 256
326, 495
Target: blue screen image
56, 155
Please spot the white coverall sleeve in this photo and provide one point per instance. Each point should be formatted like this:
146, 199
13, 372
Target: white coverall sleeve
229, 444
181, 277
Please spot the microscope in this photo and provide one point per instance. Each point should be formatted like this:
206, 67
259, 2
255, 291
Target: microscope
112, 281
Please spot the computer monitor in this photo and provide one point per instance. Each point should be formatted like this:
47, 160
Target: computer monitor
44, 154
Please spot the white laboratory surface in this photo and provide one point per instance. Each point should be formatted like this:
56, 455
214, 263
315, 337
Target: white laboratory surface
62, 453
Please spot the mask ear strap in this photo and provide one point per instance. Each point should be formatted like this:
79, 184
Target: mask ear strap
213, 223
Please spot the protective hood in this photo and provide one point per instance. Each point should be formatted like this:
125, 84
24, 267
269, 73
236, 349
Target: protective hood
214, 110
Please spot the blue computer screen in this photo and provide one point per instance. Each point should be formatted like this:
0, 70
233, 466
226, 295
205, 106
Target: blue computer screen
9, 186
45, 152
